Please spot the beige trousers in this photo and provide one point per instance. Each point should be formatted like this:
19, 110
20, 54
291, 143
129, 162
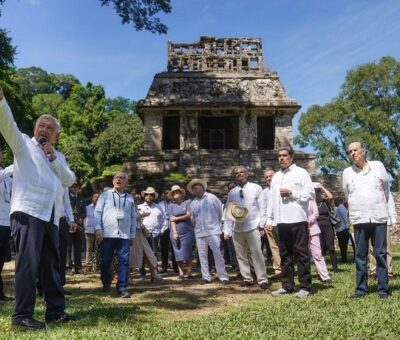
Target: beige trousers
273, 240
249, 243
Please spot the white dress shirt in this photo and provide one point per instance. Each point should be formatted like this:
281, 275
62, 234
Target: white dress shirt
206, 215
367, 191
249, 196
292, 209
153, 218
5, 195
38, 184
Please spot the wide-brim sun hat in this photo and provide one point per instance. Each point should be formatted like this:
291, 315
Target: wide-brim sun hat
194, 182
176, 188
151, 191
236, 213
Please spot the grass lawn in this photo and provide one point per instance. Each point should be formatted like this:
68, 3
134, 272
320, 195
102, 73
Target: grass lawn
172, 310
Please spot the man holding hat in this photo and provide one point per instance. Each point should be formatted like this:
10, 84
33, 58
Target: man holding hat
243, 219
152, 222
206, 211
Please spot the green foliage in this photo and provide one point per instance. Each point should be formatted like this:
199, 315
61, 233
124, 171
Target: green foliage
7, 52
112, 170
47, 103
141, 13
78, 152
175, 177
34, 80
367, 109
120, 140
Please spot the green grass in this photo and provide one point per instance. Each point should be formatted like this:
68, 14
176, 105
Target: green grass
170, 310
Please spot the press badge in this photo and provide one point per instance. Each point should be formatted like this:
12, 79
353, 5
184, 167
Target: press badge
120, 214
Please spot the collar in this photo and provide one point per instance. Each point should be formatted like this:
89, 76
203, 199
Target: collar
365, 170
289, 168
115, 191
200, 198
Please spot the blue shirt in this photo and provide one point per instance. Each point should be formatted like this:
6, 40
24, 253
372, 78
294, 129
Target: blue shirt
106, 215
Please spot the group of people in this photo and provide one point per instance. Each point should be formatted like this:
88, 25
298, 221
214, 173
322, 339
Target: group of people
42, 211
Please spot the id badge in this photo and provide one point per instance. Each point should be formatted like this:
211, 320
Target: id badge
120, 214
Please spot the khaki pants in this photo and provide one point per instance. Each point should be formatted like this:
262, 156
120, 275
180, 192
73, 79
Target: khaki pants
273, 240
372, 261
89, 251
245, 243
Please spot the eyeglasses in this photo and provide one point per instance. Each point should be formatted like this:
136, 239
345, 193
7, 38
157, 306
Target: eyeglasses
241, 193
120, 177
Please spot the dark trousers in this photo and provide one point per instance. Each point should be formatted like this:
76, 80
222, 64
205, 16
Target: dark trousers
75, 244
327, 238
293, 239
377, 233
63, 233
37, 257
107, 248
5, 253
166, 248
343, 239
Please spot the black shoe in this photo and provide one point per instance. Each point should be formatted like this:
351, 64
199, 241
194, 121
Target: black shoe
264, 285
246, 283
358, 295
106, 289
28, 323
204, 282
225, 282
67, 292
383, 295
6, 298
64, 317
124, 294
190, 278
163, 270
328, 282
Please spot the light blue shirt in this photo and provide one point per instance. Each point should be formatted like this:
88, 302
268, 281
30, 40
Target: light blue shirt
106, 215
342, 212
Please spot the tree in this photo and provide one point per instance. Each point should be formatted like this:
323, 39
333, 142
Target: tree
120, 140
140, 13
7, 52
366, 109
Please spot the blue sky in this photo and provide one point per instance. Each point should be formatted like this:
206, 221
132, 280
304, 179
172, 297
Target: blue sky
310, 43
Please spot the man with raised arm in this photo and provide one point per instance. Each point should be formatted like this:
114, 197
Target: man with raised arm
40, 175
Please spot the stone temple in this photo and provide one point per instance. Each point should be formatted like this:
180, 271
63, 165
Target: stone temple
215, 107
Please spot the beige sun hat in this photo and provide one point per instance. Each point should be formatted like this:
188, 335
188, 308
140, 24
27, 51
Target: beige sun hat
150, 190
195, 181
176, 188
236, 213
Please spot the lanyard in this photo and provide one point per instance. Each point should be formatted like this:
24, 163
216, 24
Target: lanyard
119, 201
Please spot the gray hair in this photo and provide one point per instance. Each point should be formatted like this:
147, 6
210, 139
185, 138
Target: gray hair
358, 143
268, 170
51, 118
239, 167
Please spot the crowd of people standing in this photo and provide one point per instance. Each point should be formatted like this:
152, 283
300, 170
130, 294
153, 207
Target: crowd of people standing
51, 224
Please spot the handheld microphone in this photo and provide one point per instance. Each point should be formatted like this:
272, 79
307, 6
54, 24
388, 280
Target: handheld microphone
42, 142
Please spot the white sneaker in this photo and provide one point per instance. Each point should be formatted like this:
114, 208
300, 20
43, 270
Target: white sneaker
280, 292
302, 293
